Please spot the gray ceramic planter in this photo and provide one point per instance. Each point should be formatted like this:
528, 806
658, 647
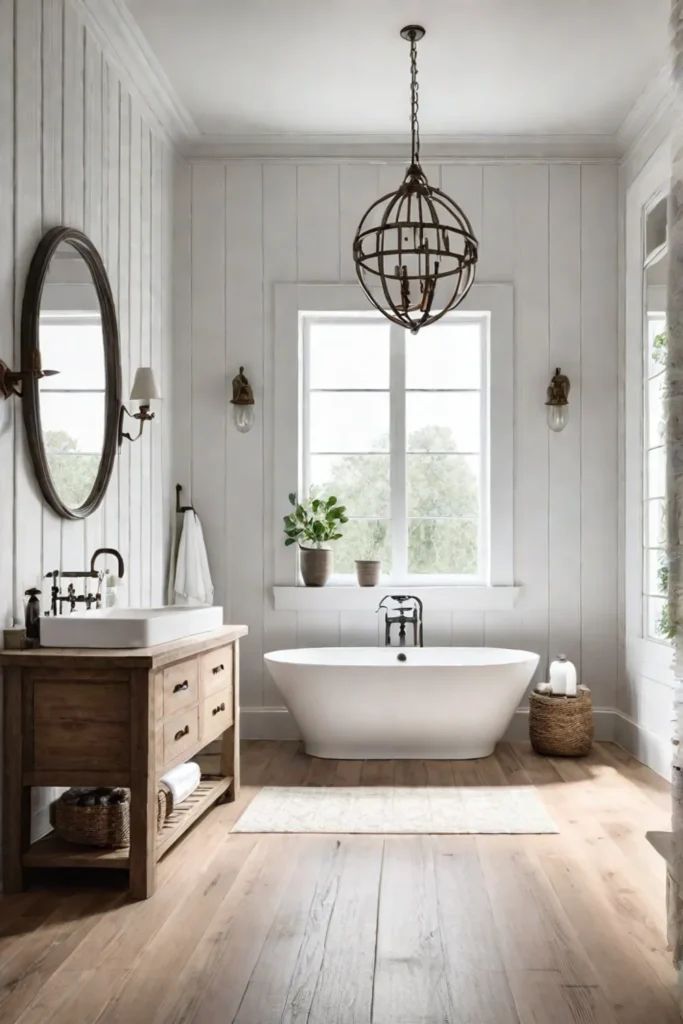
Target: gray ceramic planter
316, 566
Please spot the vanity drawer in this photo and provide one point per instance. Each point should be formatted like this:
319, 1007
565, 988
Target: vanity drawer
180, 686
216, 670
81, 725
180, 733
216, 716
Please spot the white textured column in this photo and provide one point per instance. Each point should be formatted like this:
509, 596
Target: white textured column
674, 417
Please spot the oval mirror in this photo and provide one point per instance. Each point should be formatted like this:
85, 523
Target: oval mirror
69, 326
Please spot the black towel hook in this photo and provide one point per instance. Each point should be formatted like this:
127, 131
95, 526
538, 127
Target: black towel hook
178, 507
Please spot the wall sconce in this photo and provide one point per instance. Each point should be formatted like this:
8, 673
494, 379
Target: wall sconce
243, 402
10, 380
144, 391
558, 401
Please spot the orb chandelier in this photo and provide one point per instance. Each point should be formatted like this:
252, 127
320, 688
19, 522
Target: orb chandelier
416, 243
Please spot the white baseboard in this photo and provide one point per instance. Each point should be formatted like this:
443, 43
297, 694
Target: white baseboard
648, 747
274, 723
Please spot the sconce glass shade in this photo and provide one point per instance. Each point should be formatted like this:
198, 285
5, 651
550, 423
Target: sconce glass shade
244, 417
144, 386
558, 416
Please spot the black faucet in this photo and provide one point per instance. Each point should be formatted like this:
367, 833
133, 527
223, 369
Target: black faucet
406, 614
108, 551
57, 599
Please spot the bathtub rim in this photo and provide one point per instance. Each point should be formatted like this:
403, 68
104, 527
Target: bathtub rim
293, 656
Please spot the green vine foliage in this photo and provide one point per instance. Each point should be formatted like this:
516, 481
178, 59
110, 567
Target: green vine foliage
314, 523
659, 346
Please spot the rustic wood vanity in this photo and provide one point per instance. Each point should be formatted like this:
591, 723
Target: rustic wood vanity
84, 717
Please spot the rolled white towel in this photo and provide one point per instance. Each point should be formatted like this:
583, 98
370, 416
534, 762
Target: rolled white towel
182, 781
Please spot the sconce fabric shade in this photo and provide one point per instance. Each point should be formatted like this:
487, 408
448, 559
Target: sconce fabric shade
144, 386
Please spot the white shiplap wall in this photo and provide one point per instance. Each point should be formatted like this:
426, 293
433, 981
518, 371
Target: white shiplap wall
551, 230
76, 148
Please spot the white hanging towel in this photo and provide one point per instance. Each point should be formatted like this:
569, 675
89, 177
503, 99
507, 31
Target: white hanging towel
193, 583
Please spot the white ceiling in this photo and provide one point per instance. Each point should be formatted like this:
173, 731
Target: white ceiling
246, 68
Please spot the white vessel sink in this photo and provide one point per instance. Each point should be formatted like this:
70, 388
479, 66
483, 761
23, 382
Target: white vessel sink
127, 627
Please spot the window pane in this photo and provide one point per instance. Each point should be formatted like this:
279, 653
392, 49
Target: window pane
443, 546
442, 422
361, 482
655, 411
77, 351
73, 475
657, 344
655, 524
657, 578
657, 618
656, 473
72, 422
350, 355
349, 423
363, 538
443, 485
447, 356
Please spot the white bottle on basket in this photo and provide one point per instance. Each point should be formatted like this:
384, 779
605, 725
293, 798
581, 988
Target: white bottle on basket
562, 677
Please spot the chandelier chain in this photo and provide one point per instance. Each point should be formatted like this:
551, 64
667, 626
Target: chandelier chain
414, 101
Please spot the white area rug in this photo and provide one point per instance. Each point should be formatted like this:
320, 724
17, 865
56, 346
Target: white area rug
397, 810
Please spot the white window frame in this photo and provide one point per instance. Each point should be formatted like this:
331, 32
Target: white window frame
498, 590
644, 658
398, 457
647, 498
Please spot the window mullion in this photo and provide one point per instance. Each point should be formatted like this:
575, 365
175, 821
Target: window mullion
399, 523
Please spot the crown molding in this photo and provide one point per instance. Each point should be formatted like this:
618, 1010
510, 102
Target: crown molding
123, 42
382, 148
653, 104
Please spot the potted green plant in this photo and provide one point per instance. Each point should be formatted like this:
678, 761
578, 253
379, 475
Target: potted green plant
312, 525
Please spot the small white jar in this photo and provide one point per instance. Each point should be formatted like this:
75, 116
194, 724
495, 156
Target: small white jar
562, 677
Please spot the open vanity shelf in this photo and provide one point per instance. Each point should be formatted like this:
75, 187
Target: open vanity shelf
122, 718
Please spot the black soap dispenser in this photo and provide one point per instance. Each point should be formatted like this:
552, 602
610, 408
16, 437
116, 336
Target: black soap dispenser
32, 617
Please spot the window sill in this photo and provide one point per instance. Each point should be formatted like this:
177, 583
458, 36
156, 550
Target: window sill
349, 598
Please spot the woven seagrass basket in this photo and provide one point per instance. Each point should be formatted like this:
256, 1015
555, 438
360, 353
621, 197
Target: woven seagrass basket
561, 726
105, 825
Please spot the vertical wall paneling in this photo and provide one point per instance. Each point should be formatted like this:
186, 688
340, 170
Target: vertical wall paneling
51, 63
110, 253
124, 275
564, 463
318, 222
599, 487
8, 410
528, 218
145, 446
62, 99
531, 431
244, 477
280, 231
27, 232
358, 188
209, 387
156, 527
93, 208
181, 395
74, 547
135, 291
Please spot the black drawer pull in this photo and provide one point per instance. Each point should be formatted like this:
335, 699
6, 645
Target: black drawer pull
181, 732
218, 668
185, 685
221, 707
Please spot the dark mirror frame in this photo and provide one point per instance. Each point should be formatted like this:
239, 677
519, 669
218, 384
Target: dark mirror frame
30, 342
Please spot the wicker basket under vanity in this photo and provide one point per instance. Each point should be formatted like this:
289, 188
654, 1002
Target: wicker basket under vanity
561, 726
105, 825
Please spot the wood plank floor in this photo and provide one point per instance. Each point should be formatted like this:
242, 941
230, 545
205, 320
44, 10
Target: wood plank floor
563, 929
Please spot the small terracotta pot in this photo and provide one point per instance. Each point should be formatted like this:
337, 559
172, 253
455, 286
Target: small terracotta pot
316, 566
368, 572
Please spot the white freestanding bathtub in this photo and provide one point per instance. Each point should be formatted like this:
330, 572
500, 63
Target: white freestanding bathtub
368, 702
